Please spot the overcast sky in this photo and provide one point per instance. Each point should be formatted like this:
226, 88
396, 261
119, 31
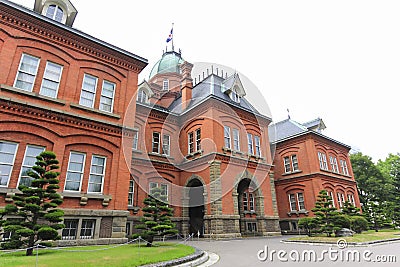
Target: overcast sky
338, 60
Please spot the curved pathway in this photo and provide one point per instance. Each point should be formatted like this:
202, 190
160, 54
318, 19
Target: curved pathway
243, 252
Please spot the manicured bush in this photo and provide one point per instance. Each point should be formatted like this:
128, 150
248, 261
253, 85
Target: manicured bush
358, 224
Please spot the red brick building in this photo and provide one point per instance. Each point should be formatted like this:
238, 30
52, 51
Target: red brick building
200, 141
65, 91
207, 147
305, 162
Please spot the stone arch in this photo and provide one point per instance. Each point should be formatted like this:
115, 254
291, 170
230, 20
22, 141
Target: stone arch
194, 205
243, 181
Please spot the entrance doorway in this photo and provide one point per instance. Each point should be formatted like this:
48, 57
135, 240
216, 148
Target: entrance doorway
196, 207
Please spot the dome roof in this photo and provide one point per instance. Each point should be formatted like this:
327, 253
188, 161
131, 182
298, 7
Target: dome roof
168, 63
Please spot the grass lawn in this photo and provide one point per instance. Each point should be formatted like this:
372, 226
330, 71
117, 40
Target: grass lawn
126, 255
367, 236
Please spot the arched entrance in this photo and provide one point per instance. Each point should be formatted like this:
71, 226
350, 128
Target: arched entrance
247, 207
196, 207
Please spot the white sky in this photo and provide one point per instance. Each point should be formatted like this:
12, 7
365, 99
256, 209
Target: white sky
338, 60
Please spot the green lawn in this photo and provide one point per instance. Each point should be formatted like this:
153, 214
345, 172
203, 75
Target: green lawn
126, 255
367, 236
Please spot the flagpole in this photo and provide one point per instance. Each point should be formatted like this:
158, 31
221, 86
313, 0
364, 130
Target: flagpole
173, 49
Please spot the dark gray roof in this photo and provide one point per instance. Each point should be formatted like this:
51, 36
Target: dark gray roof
316, 124
74, 31
211, 87
287, 129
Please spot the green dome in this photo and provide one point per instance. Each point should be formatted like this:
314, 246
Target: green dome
168, 63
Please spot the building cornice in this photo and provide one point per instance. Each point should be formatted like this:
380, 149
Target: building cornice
26, 20
40, 112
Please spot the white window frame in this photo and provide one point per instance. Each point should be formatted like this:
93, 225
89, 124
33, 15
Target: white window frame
23, 165
198, 139
295, 162
235, 96
250, 145
9, 164
334, 164
87, 91
301, 204
166, 144
54, 17
236, 139
333, 199
103, 97
292, 202
340, 198
323, 164
57, 81
257, 143
191, 142
70, 171
69, 236
227, 137
142, 96
251, 201
350, 198
34, 74
343, 165
153, 142
245, 201
131, 193
84, 228
286, 164
135, 140
165, 85
97, 174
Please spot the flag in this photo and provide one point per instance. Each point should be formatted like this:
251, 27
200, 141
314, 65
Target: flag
170, 36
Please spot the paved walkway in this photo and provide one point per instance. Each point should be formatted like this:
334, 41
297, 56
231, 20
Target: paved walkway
243, 252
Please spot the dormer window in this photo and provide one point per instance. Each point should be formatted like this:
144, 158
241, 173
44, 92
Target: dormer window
62, 11
235, 96
55, 12
166, 85
142, 97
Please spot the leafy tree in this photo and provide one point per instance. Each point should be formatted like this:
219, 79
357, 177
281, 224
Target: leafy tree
325, 213
309, 224
35, 209
390, 168
375, 214
372, 184
156, 220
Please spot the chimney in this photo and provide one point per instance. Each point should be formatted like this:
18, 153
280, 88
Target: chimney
186, 83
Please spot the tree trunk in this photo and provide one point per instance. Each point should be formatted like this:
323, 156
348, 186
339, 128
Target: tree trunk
149, 241
31, 243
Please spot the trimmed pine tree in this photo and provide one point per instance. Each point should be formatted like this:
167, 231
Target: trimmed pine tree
156, 220
35, 216
325, 213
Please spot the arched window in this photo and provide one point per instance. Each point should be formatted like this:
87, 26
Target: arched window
55, 12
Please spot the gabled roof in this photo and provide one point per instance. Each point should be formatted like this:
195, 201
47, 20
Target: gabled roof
233, 83
288, 129
315, 125
284, 129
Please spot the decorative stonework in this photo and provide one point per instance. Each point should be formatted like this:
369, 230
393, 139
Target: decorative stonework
36, 112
